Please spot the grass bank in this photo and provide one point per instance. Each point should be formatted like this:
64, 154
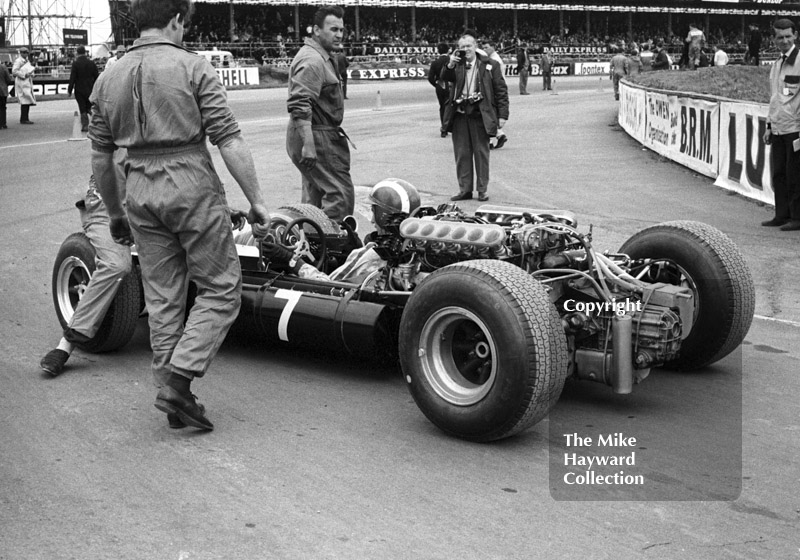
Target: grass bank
743, 83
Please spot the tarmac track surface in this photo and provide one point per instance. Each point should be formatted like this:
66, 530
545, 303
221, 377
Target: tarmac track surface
321, 457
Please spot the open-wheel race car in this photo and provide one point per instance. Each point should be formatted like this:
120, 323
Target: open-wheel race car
489, 312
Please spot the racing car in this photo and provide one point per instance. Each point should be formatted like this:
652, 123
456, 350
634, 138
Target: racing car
488, 312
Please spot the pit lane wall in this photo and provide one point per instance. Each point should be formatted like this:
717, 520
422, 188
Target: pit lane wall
719, 138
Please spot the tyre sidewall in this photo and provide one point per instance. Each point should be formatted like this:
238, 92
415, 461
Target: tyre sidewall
499, 407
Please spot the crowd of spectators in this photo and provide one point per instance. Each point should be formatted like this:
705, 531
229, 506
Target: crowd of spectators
269, 31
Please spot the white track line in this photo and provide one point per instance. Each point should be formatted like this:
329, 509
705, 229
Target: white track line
773, 319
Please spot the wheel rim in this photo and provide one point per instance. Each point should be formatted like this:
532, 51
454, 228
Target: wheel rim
71, 281
458, 356
670, 272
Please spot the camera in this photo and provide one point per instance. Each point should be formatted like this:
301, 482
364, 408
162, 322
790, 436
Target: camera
462, 54
470, 99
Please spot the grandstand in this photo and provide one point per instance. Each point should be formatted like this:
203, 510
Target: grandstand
271, 30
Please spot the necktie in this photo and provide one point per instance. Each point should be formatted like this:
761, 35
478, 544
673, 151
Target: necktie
469, 65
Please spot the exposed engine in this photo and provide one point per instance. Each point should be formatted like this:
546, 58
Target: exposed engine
617, 325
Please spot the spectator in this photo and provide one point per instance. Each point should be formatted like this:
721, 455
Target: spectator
635, 65
175, 200
662, 60
315, 141
114, 59
618, 69
488, 48
754, 46
23, 71
341, 65
81, 79
442, 87
783, 128
478, 108
695, 39
720, 56
646, 57
5, 81
546, 65
523, 66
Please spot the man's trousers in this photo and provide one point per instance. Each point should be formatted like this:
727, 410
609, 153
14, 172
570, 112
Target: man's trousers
471, 148
112, 264
786, 176
182, 229
328, 184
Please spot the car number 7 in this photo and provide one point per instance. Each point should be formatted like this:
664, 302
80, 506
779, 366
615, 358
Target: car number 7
291, 297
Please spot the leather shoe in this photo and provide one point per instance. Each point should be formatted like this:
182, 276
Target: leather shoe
483, 197
175, 421
774, 222
501, 141
462, 196
54, 361
443, 134
25, 122
184, 406
792, 225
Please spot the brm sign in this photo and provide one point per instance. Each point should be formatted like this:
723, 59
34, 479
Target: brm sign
76, 37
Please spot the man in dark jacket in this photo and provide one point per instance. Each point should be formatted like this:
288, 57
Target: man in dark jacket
442, 87
523, 64
754, 46
661, 61
82, 78
478, 107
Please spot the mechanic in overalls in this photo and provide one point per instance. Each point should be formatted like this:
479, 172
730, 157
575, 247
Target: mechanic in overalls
315, 141
160, 102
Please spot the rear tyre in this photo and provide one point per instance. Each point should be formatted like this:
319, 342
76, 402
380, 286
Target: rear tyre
702, 258
483, 350
73, 268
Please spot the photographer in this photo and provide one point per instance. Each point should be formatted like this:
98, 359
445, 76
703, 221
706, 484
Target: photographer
478, 107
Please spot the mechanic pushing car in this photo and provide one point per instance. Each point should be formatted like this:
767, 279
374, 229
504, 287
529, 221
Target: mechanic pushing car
175, 200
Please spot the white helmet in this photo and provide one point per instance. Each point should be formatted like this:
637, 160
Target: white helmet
391, 196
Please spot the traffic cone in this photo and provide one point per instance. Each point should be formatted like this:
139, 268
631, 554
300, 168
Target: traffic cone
76, 128
378, 103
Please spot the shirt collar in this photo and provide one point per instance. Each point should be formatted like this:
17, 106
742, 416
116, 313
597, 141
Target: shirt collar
154, 40
314, 44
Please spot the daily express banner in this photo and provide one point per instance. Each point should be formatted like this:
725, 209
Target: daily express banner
744, 159
684, 130
632, 102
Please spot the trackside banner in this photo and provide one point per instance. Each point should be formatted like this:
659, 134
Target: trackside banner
632, 112
744, 159
720, 139
685, 130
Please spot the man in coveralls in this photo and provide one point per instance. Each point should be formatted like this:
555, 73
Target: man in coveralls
315, 141
160, 102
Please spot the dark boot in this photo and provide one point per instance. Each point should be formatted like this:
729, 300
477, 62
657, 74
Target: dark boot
84, 122
24, 113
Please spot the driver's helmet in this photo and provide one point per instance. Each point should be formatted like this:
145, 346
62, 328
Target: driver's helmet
391, 196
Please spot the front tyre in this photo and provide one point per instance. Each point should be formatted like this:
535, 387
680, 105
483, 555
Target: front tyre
73, 268
483, 350
704, 259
